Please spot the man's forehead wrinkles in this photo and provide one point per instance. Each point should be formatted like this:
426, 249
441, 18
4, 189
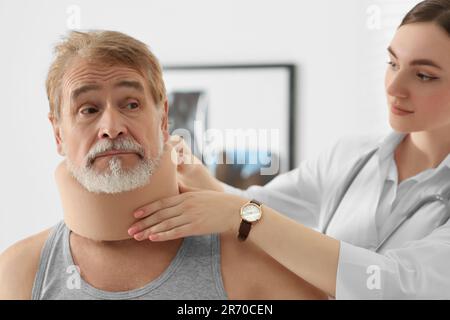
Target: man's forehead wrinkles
100, 76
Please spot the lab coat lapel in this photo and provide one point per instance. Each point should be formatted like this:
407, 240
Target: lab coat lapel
354, 221
423, 220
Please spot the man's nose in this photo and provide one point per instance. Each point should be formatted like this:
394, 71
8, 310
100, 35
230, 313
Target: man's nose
111, 124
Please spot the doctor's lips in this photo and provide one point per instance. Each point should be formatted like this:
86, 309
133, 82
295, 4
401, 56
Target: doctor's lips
398, 110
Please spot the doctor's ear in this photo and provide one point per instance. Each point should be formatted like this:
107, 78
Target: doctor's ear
57, 132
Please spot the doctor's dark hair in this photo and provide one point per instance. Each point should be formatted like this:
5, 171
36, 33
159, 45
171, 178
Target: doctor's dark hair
437, 11
105, 48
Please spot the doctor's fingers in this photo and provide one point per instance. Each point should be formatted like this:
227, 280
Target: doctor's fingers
167, 229
155, 218
158, 205
181, 231
184, 153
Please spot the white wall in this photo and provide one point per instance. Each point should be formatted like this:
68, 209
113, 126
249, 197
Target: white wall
339, 47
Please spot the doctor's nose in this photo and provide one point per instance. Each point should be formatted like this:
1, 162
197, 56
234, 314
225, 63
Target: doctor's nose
111, 125
396, 86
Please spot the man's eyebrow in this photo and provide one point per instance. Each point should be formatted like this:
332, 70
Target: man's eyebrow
83, 89
418, 62
130, 84
89, 87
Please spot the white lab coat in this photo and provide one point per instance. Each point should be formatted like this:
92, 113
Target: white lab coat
413, 264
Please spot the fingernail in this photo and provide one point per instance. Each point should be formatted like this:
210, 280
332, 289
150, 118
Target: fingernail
139, 236
133, 230
139, 214
153, 237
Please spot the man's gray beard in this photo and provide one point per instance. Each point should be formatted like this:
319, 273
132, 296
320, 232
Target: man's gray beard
115, 179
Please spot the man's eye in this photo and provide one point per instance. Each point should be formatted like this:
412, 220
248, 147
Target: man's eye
89, 110
132, 105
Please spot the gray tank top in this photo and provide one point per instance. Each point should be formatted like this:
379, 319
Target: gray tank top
194, 273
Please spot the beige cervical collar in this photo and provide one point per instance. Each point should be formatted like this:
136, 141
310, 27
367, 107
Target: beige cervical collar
107, 217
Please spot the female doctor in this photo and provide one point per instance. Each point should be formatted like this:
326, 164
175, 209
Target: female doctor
368, 219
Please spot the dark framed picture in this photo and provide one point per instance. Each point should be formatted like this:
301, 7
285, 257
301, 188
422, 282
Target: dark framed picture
239, 119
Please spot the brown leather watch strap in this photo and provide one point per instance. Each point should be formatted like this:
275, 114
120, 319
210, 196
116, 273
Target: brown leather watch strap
256, 202
244, 230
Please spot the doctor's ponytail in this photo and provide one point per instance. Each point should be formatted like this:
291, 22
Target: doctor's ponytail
437, 11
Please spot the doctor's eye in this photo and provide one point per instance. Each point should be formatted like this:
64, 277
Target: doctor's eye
425, 77
392, 64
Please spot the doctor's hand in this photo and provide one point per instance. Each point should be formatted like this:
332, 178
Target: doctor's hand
193, 212
190, 170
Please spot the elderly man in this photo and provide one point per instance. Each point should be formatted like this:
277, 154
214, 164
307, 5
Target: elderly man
108, 109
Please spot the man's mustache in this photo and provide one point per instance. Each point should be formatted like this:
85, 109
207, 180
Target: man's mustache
124, 144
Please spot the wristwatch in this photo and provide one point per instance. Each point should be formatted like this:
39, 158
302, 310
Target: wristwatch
251, 212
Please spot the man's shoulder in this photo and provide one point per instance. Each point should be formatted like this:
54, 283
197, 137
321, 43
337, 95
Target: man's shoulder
19, 264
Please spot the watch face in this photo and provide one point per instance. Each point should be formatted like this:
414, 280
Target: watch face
251, 213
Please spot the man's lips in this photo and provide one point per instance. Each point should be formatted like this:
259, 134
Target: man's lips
111, 153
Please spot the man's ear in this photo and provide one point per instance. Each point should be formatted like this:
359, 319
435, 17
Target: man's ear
165, 120
57, 133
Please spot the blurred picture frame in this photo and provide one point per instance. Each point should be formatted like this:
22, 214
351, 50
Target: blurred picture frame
239, 118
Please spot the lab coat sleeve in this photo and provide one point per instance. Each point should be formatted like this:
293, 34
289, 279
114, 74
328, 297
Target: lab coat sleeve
297, 193
418, 270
